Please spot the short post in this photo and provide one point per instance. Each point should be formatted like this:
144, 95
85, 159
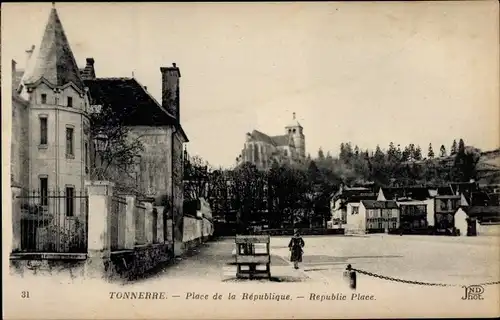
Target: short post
99, 241
16, 218
160, 238
350, 276
130, 222
148, 220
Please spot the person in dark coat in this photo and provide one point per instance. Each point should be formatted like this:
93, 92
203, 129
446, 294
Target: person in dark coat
296, 244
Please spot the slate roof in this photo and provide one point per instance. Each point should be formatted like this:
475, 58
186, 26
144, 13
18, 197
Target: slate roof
374, 204
476, 211
127, 95
53, 60
259, 136
415, 193
282, 140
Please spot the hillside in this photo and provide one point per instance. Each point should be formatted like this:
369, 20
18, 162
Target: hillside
488, 167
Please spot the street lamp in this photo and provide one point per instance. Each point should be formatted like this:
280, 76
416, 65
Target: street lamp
101, 143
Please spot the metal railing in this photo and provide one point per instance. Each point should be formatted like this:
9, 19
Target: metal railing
54, 221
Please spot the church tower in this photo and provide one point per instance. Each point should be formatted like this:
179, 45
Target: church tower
296, 131
58, 126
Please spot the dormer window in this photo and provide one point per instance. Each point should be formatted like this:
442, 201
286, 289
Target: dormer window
44, 98
70, 102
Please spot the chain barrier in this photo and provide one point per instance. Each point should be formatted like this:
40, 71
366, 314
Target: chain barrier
418, 282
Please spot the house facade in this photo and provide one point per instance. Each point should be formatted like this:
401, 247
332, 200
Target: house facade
373, 216
262, 150
346, 201
53, 151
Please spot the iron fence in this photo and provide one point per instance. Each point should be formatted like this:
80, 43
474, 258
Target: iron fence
140, 223
117, 224
54, 221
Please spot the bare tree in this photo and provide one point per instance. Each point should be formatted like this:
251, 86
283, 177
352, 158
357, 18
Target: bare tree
196, 177
116, 158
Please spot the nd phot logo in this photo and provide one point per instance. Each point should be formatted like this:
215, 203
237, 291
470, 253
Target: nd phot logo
474, 292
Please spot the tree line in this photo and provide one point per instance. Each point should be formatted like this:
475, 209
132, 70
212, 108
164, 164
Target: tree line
299, 194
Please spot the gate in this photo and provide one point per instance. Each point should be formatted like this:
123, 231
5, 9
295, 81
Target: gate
54, 221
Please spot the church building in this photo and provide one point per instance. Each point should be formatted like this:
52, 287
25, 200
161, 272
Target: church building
262, 150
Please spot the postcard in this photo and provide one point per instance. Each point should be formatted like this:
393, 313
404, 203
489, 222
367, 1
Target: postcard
267, 160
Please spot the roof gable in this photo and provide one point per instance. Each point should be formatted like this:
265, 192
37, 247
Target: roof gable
127, 95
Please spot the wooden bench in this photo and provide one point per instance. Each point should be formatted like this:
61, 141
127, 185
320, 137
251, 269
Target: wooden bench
247, 259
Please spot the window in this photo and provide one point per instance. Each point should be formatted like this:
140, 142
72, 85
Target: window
44, 98
444, 205
44, 186
70, 102
355, 210
43, 131
70, 201
69, 142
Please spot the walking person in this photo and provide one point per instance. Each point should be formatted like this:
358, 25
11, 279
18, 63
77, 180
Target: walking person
296, 244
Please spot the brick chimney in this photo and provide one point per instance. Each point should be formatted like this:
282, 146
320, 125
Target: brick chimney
170, 99
89, 71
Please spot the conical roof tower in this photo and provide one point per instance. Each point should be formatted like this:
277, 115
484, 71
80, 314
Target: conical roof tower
53, 61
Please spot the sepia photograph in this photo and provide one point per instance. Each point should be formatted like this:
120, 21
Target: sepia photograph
260, 160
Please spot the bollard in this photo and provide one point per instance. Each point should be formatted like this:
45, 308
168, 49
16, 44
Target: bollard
350, 276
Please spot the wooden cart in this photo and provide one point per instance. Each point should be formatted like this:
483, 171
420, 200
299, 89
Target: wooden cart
248, 259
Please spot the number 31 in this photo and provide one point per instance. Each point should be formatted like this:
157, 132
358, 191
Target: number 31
25, 294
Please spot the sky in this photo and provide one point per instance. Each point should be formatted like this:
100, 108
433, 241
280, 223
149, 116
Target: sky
359, 72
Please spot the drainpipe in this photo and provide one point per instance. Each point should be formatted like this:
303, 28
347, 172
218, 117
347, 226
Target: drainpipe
174, 131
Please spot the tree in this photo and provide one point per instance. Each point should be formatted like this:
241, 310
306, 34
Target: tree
287, 195
321, 155
464, 167
247, 186
453, 149
118, 160
461, 146
196, 178
430, 153
417, 155
356, 151
442, 151
217, 192
406, 154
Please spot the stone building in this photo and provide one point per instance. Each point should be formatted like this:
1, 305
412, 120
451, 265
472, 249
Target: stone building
51, 143
262, 150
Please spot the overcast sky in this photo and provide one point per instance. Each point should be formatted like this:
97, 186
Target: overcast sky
360, 72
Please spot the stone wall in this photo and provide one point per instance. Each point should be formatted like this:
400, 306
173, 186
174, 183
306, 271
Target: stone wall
132, 264
488, 229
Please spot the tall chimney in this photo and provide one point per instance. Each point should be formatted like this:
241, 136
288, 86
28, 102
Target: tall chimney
170, 98
89, 71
